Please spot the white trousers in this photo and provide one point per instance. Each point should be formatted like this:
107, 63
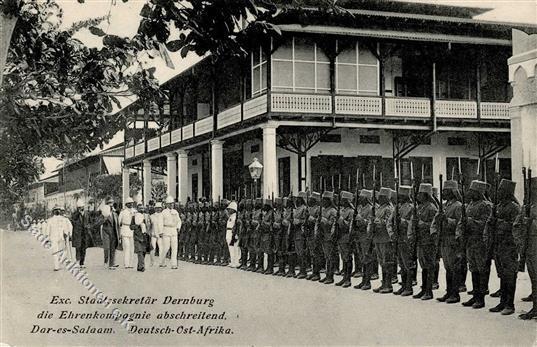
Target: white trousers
167, 242
57, 246
154, 242
128, 250
233, 250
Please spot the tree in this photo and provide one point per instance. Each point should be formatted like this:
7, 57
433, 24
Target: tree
159, 191
103, 186
57, 95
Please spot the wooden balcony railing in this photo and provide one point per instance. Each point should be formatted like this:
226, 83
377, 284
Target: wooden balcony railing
321, 104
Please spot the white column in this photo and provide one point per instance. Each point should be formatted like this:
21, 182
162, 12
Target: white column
217, 169
147, 181
270, 163
125, 183
171, 168
182, 162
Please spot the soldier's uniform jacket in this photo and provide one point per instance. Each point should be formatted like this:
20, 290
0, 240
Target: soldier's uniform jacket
278, 231
425, 216
300, 214
361, 221
255, 223
405, 215
223, 217
502, 229
477, 213
288, 236
243, 231
344, 222
453, 214
521, 225
328, 220
311, 220
379, 228
172, 221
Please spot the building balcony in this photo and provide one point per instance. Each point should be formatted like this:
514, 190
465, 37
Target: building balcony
347, 106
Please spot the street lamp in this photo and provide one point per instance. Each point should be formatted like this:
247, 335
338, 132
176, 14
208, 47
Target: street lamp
255, 169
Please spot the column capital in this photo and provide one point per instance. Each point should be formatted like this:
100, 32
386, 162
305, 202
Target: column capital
217, 143
269, 125
147, 162
170, 155
181, 153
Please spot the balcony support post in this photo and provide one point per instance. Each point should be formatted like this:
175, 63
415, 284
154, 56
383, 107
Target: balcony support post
182, 174
270, 160
478, 90
125, 184
433, 97
268, 50
171, 169
146, 178
217, 169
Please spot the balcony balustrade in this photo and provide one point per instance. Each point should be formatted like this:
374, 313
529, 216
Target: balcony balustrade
315, 104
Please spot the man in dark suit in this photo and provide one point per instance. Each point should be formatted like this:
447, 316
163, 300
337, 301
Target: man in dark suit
80, 222
109, 233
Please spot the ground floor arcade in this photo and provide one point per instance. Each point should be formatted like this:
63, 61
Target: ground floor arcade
298, 156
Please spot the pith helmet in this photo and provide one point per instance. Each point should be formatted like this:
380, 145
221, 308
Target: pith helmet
169, 200
129, 200
507, 187
232, 206
56, 207
405, 191
426, 188
479, 186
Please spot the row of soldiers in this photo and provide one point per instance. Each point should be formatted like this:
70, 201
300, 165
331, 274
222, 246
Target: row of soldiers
406, 228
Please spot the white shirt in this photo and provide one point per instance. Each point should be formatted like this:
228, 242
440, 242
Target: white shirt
125, 218
56, 228
157, 224
172, 221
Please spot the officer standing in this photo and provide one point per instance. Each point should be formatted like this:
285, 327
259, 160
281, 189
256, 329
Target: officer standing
157, 231
363, 239
400, 234
57, 232
328, 220
125, 219
446, 224
499, 233
172, 223
470, 230
231, 233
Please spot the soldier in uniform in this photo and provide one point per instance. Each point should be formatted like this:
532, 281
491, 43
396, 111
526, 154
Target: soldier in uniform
499, 234
255, 257
156, 230
222, 249
289, 237
344, 224
138, 227
278, 235
203, 229
265, 231
183, 237
313, 240
426, 243
445, 224
328, 220
470, 230
300, 214
399, 234
172, 224
383, 244
363, 240
525, 231
190, 233
245, 211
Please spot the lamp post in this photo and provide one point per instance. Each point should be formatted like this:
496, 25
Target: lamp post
255, 169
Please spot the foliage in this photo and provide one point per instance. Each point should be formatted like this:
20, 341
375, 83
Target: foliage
103, 186
159, 191
57, 94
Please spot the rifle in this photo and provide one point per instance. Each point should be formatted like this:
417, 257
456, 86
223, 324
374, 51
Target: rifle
415, 219
319, 217
527, 214
355, 210
463, 210
396, 211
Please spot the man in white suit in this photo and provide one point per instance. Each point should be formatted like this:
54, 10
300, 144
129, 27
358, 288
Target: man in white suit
172, 224
59, 233
125, 219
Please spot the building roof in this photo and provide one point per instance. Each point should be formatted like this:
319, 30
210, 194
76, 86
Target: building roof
406, 7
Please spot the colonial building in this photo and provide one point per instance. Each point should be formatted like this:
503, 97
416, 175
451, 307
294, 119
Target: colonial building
377, 86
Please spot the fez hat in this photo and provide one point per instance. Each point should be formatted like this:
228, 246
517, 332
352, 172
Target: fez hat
278, 201
328, 195
393, 193
302, 195
479, 186
384, 192
405, 191
426, 188
267, 202
316, 196
344, 195
451, 185
507, 186
258, 201
366, 193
